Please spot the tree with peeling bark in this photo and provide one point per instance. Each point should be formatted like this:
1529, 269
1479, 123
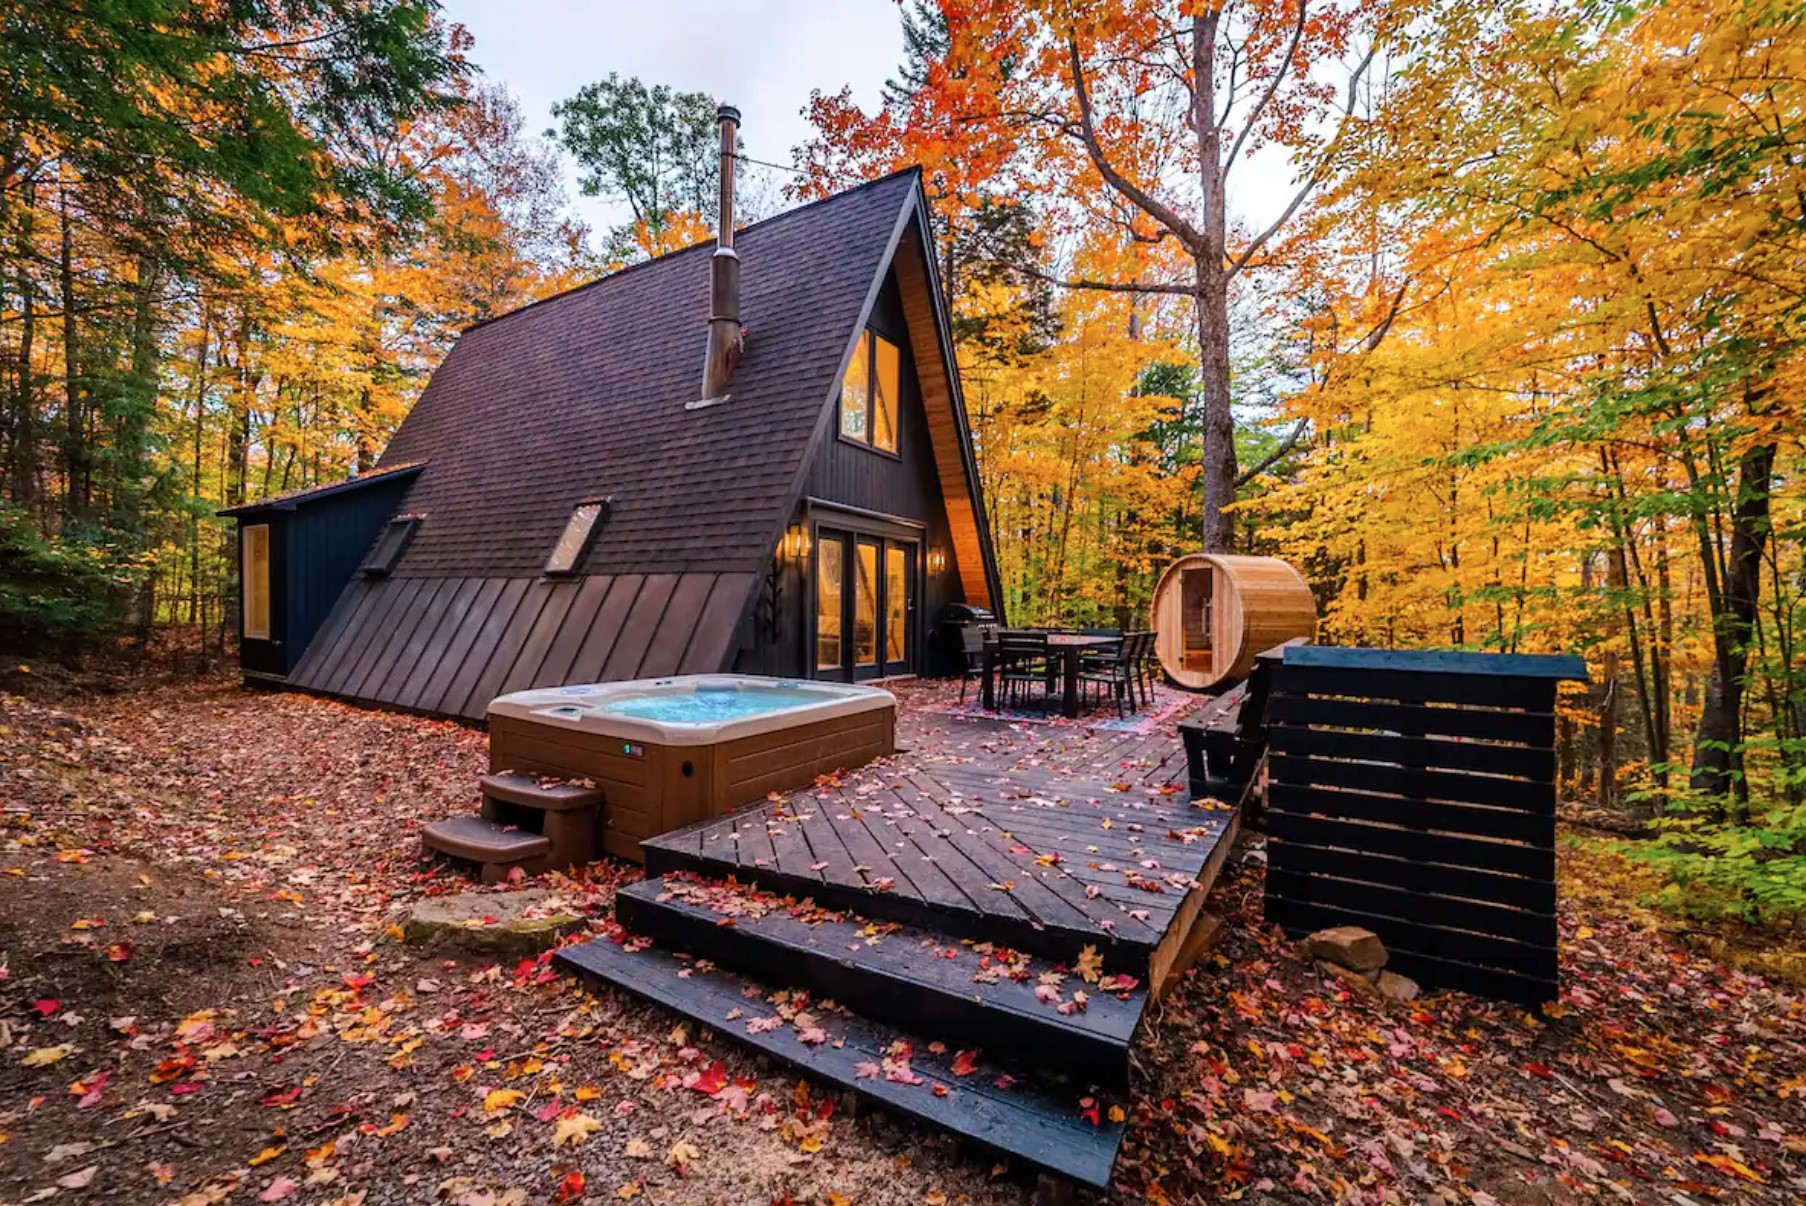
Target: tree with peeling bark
1138, 116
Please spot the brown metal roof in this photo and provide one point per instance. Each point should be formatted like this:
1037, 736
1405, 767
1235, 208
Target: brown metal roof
583, 395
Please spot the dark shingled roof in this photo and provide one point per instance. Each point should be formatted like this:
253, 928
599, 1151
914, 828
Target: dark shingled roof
584, 395
290, 499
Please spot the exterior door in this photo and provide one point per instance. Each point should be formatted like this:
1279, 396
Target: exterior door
865, 605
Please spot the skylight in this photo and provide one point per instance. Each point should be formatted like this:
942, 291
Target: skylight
574, 541
389, 546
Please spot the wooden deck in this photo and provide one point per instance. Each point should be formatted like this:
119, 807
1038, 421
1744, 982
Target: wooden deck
1048, 839
938, 905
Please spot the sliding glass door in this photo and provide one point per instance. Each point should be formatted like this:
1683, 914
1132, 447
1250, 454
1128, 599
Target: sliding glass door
865, 595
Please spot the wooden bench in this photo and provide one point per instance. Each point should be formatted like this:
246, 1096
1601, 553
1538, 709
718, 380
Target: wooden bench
1225, 743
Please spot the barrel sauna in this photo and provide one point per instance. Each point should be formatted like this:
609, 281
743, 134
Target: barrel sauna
1215, 611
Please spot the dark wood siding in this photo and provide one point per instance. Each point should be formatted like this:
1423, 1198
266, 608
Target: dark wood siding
314, 549
907, 486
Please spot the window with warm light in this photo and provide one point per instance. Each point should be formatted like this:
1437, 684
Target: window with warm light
256, 576
869, 391
579, 533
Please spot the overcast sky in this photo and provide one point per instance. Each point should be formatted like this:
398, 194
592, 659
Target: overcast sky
765, 56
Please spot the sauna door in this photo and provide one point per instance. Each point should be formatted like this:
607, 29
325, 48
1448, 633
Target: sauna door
865, 606
1197, 610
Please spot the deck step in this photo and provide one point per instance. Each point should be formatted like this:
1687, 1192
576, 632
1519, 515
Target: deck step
947, 916
535, 791
897, 974
1042, 1124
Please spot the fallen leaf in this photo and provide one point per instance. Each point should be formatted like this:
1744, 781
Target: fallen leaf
575, 1130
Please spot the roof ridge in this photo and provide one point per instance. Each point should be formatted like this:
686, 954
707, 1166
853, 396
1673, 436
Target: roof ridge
618, 273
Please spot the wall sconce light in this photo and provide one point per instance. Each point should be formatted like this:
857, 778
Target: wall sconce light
937, 561
795, 545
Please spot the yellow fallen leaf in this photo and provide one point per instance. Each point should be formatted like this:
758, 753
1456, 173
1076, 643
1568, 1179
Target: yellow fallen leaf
682, 1154
639, 1149
574, 1130
1117, 1114
502, 1099
266, 1155
1090, 965
628, 1191
45, 1056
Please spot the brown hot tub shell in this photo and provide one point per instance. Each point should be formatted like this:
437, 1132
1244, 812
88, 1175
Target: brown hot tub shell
651, 788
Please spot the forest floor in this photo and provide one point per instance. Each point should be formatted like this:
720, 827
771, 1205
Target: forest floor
202, 1000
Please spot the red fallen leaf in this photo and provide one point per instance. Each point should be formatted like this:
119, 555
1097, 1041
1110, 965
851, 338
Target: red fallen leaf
45, 1006
283, 1098
570, 1189
549, 1111
941, 1090
119, 952
192, 1086
965, 1063
1088, 1111
1006, 1082
711, 1080
1541, 1070
355, 982
89, 1091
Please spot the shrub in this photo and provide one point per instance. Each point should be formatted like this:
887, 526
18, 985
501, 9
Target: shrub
58, 596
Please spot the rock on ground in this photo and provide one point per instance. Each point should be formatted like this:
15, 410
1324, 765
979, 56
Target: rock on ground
1347, 946
529, 920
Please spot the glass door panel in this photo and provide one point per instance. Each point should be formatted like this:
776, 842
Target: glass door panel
865, 607
830, 580
899, 605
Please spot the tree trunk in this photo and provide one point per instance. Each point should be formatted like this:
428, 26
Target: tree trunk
1212, 279
1717, 744
75, 412
24, 467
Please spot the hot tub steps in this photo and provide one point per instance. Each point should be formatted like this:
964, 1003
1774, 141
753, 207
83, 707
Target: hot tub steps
534, 822
938, 985
495, 849
540, 792
1060, 1128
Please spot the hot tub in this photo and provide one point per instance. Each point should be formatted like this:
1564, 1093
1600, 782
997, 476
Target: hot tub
671, 751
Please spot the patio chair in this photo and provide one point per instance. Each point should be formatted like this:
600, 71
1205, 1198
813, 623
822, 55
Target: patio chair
1117, 674
973, 639
1147, 665
1022, 661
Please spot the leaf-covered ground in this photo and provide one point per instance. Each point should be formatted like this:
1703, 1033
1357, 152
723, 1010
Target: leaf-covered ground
202, 1000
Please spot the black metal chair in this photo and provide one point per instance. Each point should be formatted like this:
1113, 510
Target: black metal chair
1023, 661
1147, 665
1117, 674
972, 639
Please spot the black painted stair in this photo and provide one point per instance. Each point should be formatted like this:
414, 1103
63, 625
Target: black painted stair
936, 986
1051, 1126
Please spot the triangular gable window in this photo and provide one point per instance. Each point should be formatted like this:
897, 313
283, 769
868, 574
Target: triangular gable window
389, 546
579, 533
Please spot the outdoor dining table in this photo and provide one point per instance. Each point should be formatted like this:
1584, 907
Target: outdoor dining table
1068, 647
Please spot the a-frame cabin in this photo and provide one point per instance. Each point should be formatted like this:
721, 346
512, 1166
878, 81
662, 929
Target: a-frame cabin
570, 501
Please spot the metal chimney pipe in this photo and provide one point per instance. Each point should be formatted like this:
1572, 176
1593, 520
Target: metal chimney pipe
724, 274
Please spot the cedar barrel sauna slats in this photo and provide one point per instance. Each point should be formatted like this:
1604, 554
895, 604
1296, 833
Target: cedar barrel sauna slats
1214, 611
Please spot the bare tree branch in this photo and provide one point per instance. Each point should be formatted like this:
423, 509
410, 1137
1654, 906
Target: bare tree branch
1273, 458
1160, 212
1318, 173
1162, 287
1266, 97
